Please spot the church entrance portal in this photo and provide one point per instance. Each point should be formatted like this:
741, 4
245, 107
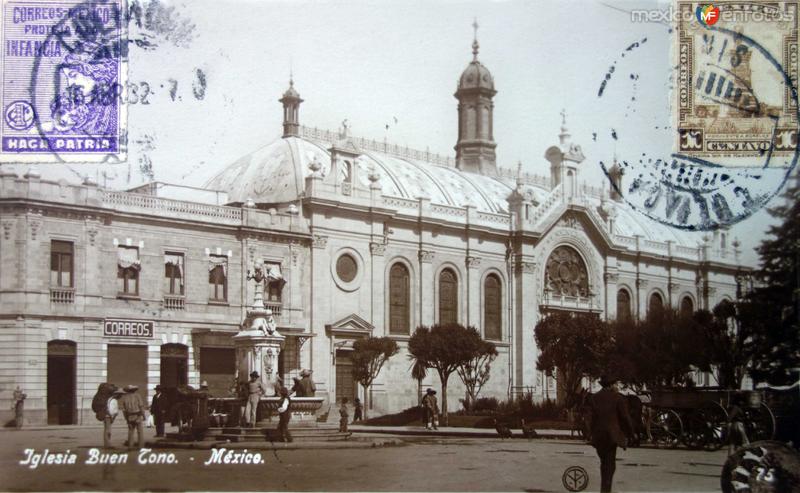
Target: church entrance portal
345, 385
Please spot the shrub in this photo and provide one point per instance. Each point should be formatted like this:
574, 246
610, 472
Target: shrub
485, 404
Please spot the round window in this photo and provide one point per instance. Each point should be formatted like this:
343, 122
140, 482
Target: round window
346, 268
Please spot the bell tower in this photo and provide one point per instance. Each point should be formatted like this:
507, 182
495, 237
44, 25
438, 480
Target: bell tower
291, 110
475, 149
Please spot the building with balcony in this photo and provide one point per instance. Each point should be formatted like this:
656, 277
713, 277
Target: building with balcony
360, 238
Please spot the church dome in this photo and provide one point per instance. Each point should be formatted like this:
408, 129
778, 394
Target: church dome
476, 76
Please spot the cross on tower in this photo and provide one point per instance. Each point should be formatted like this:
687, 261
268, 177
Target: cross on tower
563, 116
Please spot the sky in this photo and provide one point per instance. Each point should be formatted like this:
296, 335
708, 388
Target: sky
377, 63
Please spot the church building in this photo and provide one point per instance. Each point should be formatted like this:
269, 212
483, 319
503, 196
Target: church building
359, 238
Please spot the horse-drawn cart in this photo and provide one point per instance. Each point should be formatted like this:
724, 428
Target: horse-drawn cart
699, 418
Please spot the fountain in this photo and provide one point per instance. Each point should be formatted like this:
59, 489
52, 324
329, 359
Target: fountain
258, 346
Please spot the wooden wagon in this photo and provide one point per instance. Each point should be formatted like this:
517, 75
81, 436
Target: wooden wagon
698, 417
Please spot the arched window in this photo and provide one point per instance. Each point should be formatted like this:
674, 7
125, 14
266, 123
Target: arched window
399, 297
623, 305
492, 308
656, 305
687, 306
448, 297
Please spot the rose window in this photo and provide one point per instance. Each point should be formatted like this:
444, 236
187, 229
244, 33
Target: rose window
565, 273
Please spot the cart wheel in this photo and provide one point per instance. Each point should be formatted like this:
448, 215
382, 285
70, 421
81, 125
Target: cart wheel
717, 418
666, 428
760, 423
696, 430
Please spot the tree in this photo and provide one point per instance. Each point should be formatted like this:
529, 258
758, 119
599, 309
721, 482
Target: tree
732, 345
773, 310
368, 358
418, 372
443, 348
574, 346
475, 370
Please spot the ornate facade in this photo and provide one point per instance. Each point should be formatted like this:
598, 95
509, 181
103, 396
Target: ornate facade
359, 237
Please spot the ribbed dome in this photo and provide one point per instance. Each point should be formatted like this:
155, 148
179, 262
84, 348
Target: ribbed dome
291, 93
475, 76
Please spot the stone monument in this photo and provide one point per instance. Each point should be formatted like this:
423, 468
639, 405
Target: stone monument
258, 343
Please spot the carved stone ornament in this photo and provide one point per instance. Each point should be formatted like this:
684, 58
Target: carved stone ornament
377, 249
641, 283
565, 273
611, 277
473, 262
34, 225
320, 241
570, 221
426, 256
528, 267
7, 226
673, 287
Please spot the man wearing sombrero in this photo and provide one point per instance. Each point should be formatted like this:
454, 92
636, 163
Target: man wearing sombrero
133, 406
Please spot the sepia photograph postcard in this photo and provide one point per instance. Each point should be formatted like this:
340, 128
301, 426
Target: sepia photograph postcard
402, 246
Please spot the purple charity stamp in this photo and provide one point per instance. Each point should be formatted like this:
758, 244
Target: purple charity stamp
63, 70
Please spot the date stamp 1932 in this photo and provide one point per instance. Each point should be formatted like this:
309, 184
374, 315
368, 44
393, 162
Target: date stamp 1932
732, 99
63, 72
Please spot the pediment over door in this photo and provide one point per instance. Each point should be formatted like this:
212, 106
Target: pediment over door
351, 326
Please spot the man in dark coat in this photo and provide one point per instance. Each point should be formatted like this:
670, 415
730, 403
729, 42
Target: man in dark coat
309, 389
158, 408
611, 424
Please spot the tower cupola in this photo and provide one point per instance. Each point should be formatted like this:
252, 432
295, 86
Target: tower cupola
291, 110
475, 149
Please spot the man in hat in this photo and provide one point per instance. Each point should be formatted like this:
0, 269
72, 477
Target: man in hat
111, 411
431, 409
309, 389
254, 392
285, 415
133, 408
610, 419
158, 409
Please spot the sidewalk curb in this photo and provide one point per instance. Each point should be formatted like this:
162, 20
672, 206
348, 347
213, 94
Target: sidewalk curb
548, 434
265, 445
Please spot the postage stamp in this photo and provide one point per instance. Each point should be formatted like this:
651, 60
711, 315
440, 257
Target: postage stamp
63, 72
731, 138
732, 100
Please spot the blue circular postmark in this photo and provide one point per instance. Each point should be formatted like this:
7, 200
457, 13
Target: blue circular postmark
19, 115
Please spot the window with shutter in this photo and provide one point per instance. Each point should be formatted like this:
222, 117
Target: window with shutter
492, 308
399, 299
448, 297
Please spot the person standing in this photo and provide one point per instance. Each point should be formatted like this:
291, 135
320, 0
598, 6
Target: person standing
158, 409
309, 389
297, 388
133, 408
19, 407
358, 414
432, 410
254, 392
285, 415
611, 424
111, 411
344, 416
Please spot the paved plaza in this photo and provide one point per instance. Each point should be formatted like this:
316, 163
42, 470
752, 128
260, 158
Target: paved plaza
399, 463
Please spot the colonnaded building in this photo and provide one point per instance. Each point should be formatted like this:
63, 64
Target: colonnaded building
360, 238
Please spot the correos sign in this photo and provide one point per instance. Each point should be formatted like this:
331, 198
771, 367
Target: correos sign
128, 328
